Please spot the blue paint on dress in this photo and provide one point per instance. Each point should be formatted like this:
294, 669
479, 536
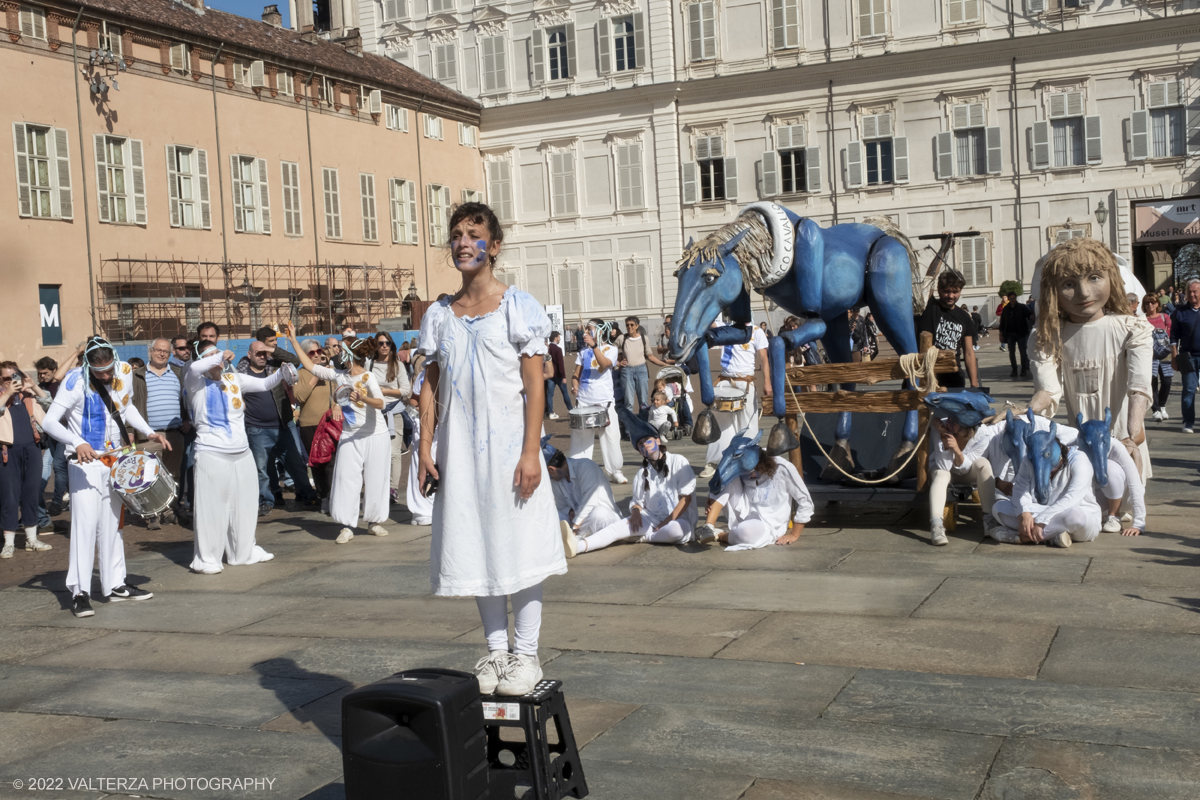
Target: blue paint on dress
215, 405
95, 420
72, 379
351, 417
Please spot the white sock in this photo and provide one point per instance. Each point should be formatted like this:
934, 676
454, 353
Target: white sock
10, 538
31, 533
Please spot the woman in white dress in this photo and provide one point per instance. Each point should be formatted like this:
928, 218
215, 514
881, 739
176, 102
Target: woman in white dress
392, 376
420, 506
495, 527
362, 464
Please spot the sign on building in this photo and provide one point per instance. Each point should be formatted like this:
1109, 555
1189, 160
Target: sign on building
556, 317
1167, 220
51, 313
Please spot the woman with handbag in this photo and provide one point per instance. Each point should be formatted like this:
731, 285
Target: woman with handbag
316, 400
363, 458
1161, 370
20, 459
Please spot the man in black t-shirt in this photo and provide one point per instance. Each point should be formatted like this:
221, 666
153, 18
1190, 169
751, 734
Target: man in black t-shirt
946, 326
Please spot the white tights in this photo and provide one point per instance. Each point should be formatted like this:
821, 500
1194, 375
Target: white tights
1082, 526
751, 534
527, 620
979, 475
1115, 489
673, 532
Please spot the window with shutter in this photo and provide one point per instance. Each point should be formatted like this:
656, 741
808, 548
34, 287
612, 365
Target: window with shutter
702, 31
562, 184
495, 66
370, 225
179, 59
333, 206
35, 171
970, 148
785, 24
397, 118
438, 198
114, 180
32, 22
110, 38
709, 169
500, 193
973, 255
436, 6
637, 285
629, 176
624, 44
285, 85
557, 58
403, 201
570, 289
962, 12
183, 174
202, 182
293, 224
433, 126
466, 135
394, 10
472, 196
445, 66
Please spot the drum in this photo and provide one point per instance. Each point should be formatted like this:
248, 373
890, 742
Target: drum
290, 375
729, 398
341, 395
143, 483
585, 417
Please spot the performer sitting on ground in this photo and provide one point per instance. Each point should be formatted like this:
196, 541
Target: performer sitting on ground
957, 448
583, 497
96, 401
593, 386
1053, 500
226, 509
495, 531
364, 451
1116, 476
756, 490
663, 509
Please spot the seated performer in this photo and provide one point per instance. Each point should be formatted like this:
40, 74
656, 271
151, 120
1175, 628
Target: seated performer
226, 509
582, 495
663, 509
1053, 500
956, 454
757, 491
1116, 475
89, 399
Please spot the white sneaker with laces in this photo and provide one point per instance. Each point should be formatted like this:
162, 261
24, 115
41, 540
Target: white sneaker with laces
1111, 524
1062, 540
570, 540
344, 536
937, 529
1186, 429
7, 551
1165, 415
554, 416
378, 530
618, 477
708, 471
521, 676
1158, 416
37, 545
491, 668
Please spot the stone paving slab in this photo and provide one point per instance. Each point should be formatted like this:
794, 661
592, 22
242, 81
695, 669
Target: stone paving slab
229, 700
24, 644
377, 578
26, 735
20, 684
404, 545
1006, 707
165, 577
133, 749
607, 779
1000, 649
22, 606
185, 612
792, 557
1108, 546
590, 717
876, 757
1127, 572
172, 652
1045, 567
1139, 659
693, 682
322, 716
891, 539
1120, 607
793, 790
619, 584
367, 618
1046, 770
770, 590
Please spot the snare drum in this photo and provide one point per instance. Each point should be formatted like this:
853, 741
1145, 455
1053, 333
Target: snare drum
585, 417
290, 375
143, 483
729, 398
341, 395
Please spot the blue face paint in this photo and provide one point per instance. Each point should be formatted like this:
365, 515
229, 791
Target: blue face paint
649, 448
471, 260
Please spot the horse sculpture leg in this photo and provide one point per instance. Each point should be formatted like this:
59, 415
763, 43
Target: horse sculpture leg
809, 331
837, 347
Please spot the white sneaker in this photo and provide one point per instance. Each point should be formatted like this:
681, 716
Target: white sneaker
378, 530
490, 668
570, 540
705, 533
1062, 540
554, 416
989, 522
937, 529
1111, 525
345, 536
37, 545
421, 521
7, 551
520, 676
1158, 416
1186, 429
617, 477
1165, 415
707, 472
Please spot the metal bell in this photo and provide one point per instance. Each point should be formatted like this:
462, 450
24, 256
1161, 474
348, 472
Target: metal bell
781, 440
706, 430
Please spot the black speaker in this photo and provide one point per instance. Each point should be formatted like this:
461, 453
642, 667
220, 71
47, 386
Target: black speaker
418, 735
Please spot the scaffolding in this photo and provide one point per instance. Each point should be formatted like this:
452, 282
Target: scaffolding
141, 299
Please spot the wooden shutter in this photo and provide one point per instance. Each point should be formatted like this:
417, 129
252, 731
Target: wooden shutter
1139, 135
731, 179
995, 156
24, 192
375, 101
537, 57
1035, 6
604, 46
812, 165
137, 168
944, 148
366, 188
391, 10
854, 165
1092, 143
1163, 94
1040, 150
770, 173
691, 183
695, 33
202, 179
900, 159
33, 22
410, 198
62, 174
258, 77
173, 188
264, 196
956, 12
235, 180
396, 209
639, 41
629, 176
572, 62
101, 177
960, 116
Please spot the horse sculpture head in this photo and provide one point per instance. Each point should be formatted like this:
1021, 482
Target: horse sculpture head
1095, 436
1016, 437
710, 280
1046, 455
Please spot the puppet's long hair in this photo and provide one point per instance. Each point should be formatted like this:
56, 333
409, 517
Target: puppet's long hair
1074, 258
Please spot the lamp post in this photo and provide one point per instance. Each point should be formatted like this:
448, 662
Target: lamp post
1101, 218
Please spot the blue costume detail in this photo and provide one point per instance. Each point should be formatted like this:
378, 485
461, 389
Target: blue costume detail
740, 458
1045, 453
966, 408
1096, 438
215, 405
1016, 437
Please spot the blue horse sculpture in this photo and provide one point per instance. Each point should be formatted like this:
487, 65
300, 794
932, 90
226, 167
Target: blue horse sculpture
815, 273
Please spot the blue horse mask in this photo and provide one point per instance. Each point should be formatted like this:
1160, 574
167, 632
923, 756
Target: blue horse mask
966, 408
1016, 437
740, 458
548, 450
1046, 454
1096, 438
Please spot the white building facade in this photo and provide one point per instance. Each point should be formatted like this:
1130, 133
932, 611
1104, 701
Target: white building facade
615, 130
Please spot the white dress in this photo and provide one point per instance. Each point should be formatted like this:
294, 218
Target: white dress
1102, 362
487, 541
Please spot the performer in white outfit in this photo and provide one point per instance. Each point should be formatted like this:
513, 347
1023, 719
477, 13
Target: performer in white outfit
495, 529
958, 447
1069, 513
226, 512
756, 490
738, 362
663, 508
90, 430
363, 463
420, 506
582, 495
593, 385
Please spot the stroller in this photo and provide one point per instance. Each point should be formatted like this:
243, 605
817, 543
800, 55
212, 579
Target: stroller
677, 378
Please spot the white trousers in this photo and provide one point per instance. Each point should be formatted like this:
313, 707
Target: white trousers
1082, 526
751, 534
95, 525
978, 475
674, 532
731, 422
226, 511
361, 463
419, 506
583, 441
598, 520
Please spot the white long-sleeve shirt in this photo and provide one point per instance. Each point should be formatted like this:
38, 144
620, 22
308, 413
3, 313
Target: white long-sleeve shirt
658, 496
587, 493
768, 499
1002, 466
1070, 488
87, 420
218, 406
359, 420
942, 458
